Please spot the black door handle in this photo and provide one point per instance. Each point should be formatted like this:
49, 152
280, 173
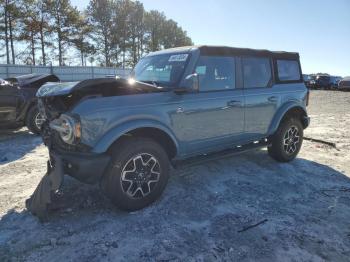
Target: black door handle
272, 99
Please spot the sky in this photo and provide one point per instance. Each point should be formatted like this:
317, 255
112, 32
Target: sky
319, 30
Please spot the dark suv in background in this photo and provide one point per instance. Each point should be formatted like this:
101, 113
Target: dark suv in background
18, 106
322, 82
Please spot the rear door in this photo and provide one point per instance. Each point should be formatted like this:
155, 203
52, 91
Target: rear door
10, 98
261, 100
213, 118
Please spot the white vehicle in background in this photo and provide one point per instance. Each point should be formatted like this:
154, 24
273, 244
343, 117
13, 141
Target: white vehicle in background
3, 82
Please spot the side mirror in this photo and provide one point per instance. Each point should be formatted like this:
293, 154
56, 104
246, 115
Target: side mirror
191, 84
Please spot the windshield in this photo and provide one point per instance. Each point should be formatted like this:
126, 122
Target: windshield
165, 70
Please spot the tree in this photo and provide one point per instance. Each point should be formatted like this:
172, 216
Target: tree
115, 32
4, 28
45, 30
122, 29
101, 14
64, 18
30, 26
174, 35
81, 40
9, 23
154, 23
136, 31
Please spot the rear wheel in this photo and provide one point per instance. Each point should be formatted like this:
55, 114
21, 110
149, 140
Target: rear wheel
137, 175
34, 120
287, 141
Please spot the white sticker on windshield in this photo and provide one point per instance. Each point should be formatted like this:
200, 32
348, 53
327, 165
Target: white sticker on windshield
178, 58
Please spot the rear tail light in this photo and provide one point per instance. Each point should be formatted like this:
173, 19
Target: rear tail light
307, 97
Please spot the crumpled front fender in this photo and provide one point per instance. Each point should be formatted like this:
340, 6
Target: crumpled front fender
111, 136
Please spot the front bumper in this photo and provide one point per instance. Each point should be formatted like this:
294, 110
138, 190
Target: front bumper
77, 160
85, 167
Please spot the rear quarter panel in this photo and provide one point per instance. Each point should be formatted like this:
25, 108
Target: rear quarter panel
290, 96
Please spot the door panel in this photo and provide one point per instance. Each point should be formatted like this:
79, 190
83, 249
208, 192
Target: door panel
260, 98
260, 107
209, 119
9, 99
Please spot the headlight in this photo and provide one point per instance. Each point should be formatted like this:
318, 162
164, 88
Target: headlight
68, 127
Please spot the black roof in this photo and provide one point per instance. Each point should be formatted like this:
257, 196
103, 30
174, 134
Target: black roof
230, 51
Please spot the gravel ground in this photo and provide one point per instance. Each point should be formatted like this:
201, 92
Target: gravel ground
204, 213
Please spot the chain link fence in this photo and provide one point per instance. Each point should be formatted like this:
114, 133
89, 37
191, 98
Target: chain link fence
65, 73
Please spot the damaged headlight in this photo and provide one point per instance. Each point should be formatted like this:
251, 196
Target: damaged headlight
68, 127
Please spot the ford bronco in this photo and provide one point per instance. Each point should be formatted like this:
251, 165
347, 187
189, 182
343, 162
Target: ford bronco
177, 104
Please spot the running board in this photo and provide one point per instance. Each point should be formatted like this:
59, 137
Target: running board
219, 155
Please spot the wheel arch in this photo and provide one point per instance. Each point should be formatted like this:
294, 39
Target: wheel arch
153, 130
288, 110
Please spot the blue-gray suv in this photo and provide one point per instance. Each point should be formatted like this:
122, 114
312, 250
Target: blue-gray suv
178, 104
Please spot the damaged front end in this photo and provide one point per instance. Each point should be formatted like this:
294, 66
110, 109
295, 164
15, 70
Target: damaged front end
61, 133
66, 137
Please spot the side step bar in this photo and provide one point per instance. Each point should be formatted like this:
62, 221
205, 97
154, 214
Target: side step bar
195, 160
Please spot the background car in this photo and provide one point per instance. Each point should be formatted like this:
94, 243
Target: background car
3, 82
18, 104
344, 84
308, 79
322, 82
334, 81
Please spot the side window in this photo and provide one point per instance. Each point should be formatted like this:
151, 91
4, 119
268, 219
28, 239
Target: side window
288, 70
256, 72
216, 73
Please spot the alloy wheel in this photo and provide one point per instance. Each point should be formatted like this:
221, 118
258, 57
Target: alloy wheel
39, 120
291, 140
140, 175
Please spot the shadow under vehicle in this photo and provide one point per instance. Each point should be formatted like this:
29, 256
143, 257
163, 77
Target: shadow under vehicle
18, 104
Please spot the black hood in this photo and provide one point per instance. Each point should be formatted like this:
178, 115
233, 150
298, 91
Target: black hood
100, 86
32, 80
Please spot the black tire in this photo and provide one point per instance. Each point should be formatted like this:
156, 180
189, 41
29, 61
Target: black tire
30, 120
123, 158
278, 150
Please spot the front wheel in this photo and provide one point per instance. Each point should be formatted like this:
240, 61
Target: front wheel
34, 120
287, 141
137, 175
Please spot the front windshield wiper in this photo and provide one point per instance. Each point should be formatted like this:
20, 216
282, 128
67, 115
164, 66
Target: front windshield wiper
154, 83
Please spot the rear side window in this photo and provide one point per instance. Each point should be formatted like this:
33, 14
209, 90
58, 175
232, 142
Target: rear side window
216, 73
256, 72
288, 70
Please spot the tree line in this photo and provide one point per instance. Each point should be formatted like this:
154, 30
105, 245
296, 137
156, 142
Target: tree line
107, 32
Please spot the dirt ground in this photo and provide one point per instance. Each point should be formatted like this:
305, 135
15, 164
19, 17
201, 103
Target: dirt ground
204, 213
